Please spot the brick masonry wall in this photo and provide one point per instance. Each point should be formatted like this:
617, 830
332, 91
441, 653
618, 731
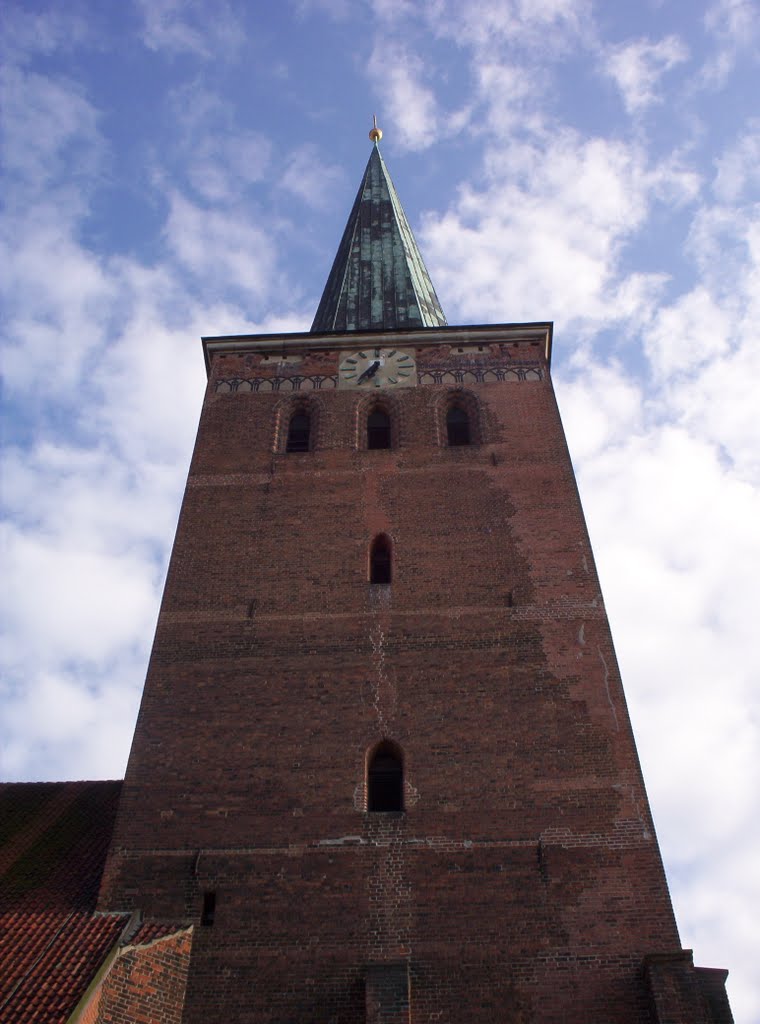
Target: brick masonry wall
145, 985
524, 876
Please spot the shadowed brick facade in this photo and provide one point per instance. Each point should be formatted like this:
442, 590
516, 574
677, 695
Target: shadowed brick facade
406, 801
523, 880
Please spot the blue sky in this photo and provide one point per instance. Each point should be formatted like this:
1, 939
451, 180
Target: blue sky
173, 169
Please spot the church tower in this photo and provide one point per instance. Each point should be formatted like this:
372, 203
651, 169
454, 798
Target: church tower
383, 763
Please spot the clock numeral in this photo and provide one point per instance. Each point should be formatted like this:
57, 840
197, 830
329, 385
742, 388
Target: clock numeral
391, 353
362, 355
393, 380
402, 374
349, 376
351, 360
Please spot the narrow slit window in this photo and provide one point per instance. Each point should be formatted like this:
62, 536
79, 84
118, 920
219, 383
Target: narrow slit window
378, 429
299, 431
380, 560
385, 780
457, 426
209, 909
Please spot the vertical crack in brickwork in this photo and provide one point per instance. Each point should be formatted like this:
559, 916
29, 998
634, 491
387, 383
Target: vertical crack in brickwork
607, 688
383, 687
390, 891
645, 833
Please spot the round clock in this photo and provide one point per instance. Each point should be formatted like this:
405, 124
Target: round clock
377, 368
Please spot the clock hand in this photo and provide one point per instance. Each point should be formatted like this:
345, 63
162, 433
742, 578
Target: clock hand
369, 372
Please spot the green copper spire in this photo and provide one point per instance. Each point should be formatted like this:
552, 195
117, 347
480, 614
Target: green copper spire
378, 280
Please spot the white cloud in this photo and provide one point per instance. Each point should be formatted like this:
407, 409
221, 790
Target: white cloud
685, 335
222, 167
674, 531
735, 26
104, 367
547, 232
309, 178
604, 406
221, 248
508, 93
709, 337
408, 102
54, 720
391, 11
53, 289
670, 475
637, 68
192, 27
489, 33
221, 160
738, 169
59, 590
725, 888
339, 10
26, 33
485, 25
49, 127
720, 402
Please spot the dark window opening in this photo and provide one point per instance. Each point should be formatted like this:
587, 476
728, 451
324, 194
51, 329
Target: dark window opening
385, 781
380, 560
298, 433
378, 429
209, 909
457, 426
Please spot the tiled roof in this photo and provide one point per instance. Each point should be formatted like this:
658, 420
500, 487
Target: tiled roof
54, 839
47, 961
150, 931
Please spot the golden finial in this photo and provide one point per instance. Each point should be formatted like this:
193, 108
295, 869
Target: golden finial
375, 134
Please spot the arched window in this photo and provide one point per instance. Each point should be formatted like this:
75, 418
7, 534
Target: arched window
385, 779
378, 429
380, 560
299, 430
457, 426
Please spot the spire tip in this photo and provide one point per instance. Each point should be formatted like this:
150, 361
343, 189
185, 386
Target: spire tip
375, 133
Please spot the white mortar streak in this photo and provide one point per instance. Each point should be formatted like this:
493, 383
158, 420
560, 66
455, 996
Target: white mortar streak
376, 638
607, 688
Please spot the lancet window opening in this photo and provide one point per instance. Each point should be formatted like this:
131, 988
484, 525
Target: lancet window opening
458, 430
385, 779
299, 432
208, 911
380, 561
378, 429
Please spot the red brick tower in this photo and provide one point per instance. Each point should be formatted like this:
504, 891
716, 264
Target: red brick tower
383, 760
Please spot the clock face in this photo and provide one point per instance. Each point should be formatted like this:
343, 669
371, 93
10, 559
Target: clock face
377, 368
